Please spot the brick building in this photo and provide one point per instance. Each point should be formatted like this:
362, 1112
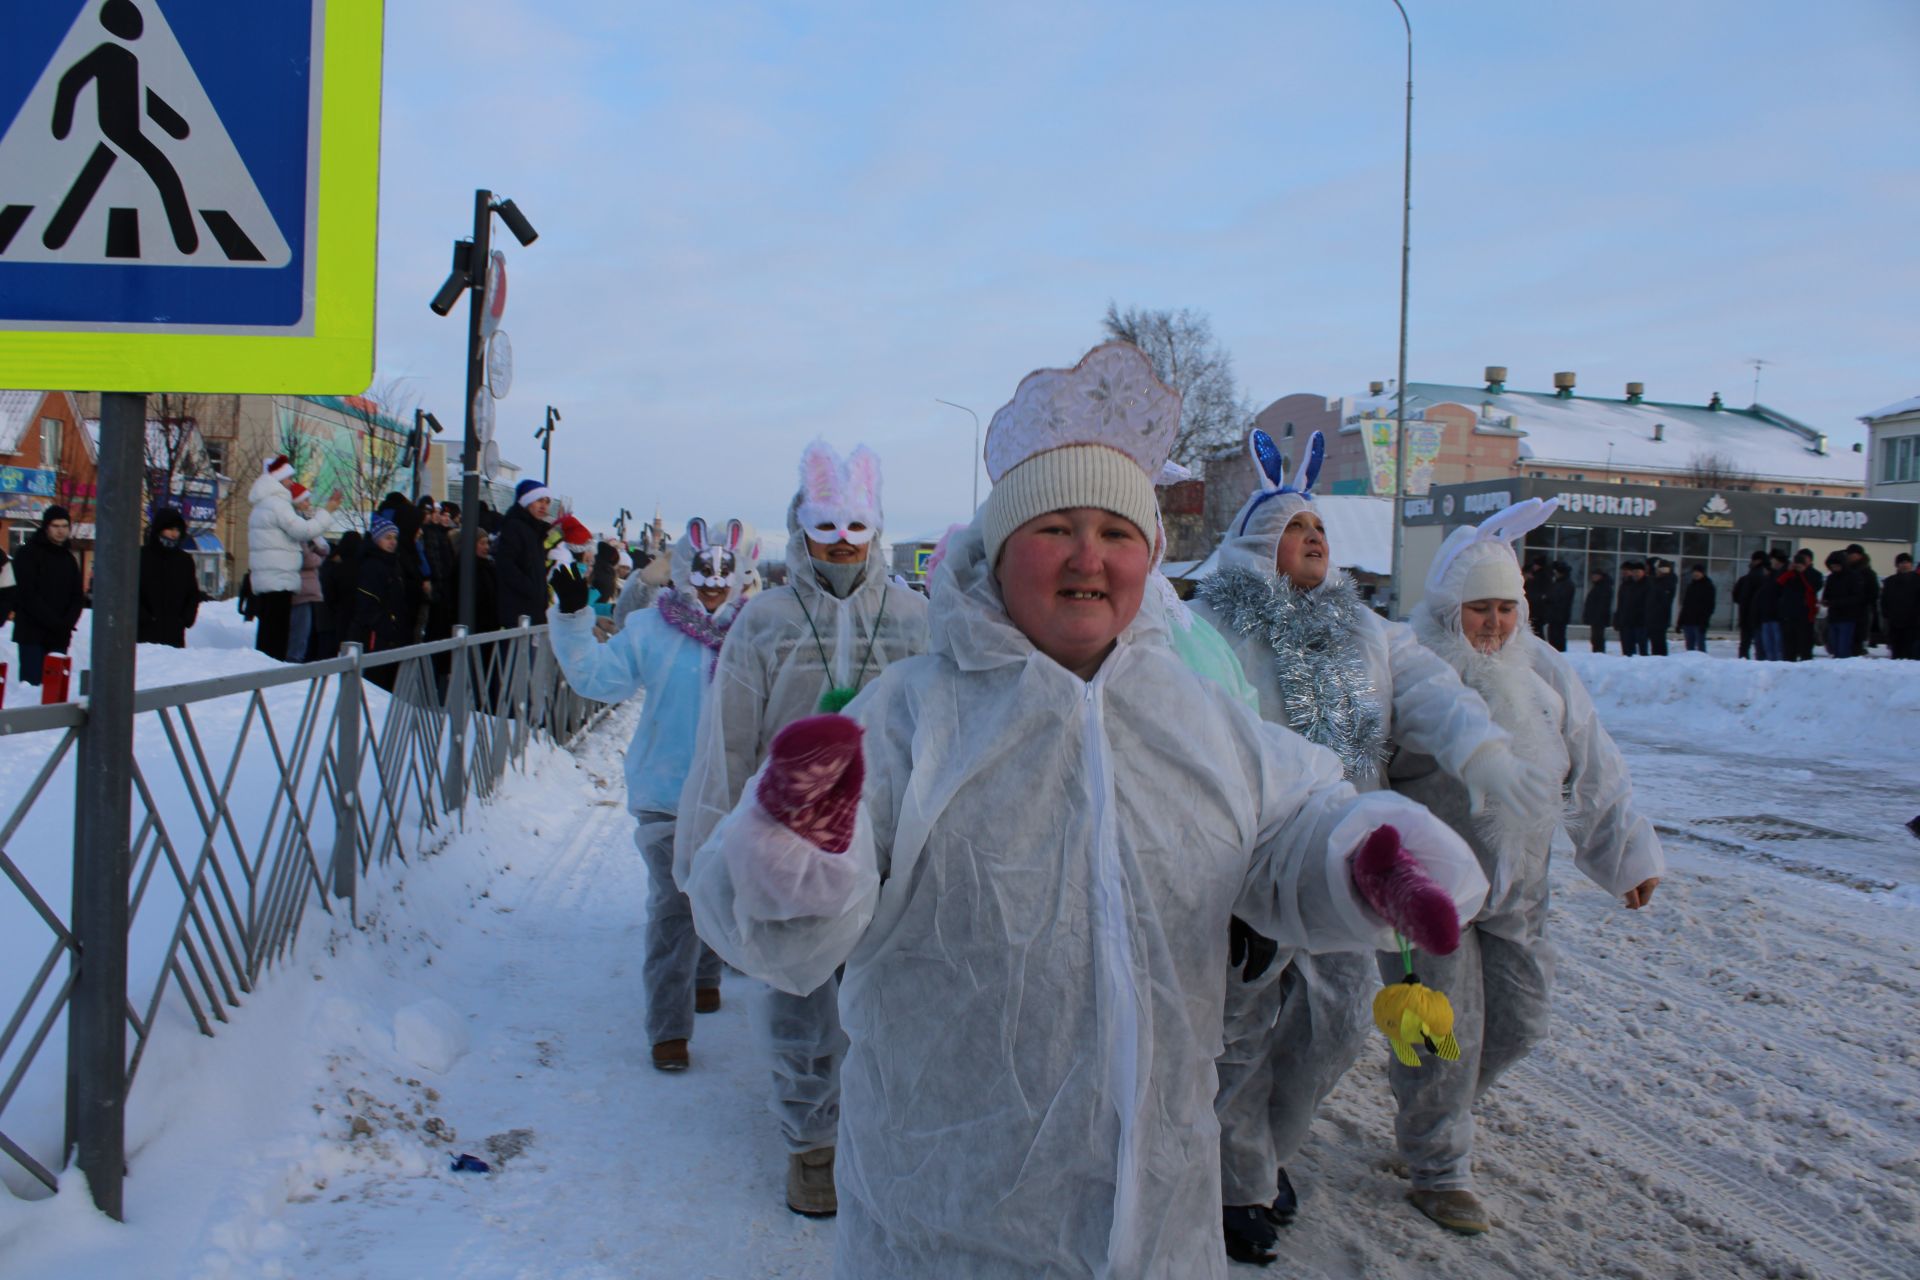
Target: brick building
47, 458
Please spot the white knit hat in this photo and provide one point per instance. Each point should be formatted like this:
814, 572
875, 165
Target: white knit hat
1477, 562
1095, 435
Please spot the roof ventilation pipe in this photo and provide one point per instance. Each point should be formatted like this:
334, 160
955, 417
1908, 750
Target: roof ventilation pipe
1496, 378
1376, 388
1659, 431
1714, 404
1636, 392
1563, 385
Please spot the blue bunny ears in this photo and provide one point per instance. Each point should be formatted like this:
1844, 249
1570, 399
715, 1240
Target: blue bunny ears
1273, 470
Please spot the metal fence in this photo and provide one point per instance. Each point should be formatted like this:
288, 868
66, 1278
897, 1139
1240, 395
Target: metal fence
257, 799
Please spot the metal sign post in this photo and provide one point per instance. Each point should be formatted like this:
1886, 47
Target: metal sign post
190, 202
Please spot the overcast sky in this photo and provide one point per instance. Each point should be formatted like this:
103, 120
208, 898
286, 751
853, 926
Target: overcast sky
766, 222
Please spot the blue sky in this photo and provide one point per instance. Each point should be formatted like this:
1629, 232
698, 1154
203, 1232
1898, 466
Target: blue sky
766, 222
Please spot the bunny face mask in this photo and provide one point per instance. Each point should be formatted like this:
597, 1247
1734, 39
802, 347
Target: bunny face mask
839, 502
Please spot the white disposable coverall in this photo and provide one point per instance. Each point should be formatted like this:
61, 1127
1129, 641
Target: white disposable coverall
1500, 980
1292, 1032
770, 675
1033, 922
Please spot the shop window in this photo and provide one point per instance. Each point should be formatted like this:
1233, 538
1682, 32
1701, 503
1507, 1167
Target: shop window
1664, 542
1695, 543
1900, 460
1633, 541
1604, 538
216, 456
1571, 537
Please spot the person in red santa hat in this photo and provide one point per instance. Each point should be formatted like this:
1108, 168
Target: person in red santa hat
276, 536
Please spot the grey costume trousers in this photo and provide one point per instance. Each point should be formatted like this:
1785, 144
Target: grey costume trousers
1290, 1035
677, 961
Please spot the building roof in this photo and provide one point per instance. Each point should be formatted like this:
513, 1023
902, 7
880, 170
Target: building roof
16, 415
1359, 533
1909, 405
1578, 431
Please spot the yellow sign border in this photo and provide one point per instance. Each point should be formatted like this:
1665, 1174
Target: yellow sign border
337, 358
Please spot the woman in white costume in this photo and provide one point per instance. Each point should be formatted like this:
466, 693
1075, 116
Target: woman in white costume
1024, 849
1474, 615
1338, 674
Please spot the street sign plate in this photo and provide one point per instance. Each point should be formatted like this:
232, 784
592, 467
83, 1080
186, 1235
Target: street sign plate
490, 461
499, 364
188, 194
482, 415
496, 293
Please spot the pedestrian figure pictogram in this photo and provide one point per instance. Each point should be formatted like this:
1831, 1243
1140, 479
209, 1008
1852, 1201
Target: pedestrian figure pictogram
121, 82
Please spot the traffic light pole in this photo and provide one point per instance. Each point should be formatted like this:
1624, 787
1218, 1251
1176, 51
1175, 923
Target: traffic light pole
477, 261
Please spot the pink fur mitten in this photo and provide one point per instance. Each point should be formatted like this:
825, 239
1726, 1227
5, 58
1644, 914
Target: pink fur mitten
811, 785
1401, 892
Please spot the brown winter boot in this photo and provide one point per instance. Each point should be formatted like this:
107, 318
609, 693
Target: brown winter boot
670, 1055
1459, 1211
810, 1184
706, 999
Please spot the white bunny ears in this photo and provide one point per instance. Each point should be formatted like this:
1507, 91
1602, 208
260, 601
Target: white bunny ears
835, 496
1273, 471
1489, 541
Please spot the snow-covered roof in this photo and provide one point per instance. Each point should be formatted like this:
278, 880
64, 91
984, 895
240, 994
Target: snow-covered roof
1587, 431
16, 415
1359, 533
1909, 405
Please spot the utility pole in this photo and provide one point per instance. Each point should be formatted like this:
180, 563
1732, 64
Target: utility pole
470, 263
976, 445
1400, 387
545, 436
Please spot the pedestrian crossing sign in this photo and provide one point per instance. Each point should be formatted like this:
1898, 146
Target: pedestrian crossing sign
188, 194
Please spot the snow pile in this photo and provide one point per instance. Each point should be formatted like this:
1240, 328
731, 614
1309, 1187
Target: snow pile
1810, 710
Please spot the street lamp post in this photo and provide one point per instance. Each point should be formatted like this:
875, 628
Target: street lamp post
545, 436
469, 273
976, 445
1400, 386
423, 422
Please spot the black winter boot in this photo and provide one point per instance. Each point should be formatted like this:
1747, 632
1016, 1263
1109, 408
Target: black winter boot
1249, 1234
1284, 1205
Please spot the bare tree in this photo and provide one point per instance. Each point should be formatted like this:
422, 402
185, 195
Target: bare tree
1713, 470
1188, 358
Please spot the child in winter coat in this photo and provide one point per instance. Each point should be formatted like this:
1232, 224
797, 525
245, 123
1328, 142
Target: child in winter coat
380, 612
1501, 978
668, 652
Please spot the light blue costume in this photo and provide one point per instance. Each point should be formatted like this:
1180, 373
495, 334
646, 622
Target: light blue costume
650, 654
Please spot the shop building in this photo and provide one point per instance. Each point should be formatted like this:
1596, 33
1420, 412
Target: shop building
1597, 526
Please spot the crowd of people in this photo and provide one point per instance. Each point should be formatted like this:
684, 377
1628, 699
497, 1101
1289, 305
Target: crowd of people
1072, 897
1786, 608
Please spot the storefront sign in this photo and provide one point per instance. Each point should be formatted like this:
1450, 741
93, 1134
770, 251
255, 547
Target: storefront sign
1647, 507
27, 480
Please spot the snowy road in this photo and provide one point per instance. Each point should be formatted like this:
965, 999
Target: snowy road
1729, 1092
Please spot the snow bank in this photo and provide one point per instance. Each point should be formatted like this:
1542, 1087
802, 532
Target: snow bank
1860, 707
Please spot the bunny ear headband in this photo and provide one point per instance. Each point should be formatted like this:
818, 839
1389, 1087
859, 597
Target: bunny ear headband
1273, 470
836, 495
1497, 530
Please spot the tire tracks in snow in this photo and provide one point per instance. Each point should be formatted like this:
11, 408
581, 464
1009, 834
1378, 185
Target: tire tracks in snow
1730, 1201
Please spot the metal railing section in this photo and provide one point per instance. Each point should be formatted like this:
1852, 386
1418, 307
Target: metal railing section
225, 869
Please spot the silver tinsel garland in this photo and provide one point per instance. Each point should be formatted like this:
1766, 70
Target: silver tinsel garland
1318, 660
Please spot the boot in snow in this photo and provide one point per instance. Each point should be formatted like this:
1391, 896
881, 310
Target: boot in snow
670, 1055
1249, 1234
1285, 1205
706, 1000
1459, 1211
810, 1184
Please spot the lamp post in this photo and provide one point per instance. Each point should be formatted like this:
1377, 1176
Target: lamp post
976, 445
1400, 386
545, 436
422, 423
469, 273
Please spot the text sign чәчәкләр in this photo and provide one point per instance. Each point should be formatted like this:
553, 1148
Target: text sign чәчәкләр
188, 194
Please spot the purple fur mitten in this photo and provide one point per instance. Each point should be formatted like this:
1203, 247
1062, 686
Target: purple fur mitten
811, 785
1402, 893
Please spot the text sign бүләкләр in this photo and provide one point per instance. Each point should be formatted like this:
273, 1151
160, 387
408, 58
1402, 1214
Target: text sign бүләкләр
189, 193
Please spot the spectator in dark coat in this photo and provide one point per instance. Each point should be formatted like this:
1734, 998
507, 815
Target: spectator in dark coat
520, 555
1800, 630
48, 594
1630, 608
486, 584
1598, 611
6, 585
1559, 605
169, 588
1900, 608
1662, 587
1696, 609
1767, 607
1858, 560
339, 584
1537, 582
1795, 606
443, 567
1845, 596
1747, 594
380, 598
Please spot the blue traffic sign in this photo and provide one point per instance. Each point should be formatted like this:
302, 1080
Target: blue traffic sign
159, 165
